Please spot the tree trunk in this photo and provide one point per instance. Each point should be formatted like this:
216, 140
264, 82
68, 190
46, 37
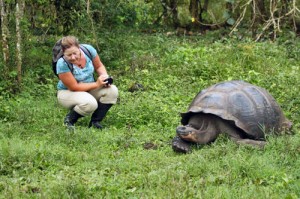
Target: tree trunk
261, 12
203, 9
19, 16
194, 8
5, 35
258, 14
173, 6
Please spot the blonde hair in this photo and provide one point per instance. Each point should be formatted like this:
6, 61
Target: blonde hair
68, 42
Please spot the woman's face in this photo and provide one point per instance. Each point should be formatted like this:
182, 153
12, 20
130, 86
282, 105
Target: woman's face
72, 54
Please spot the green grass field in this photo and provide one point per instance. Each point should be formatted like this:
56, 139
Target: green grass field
132, 157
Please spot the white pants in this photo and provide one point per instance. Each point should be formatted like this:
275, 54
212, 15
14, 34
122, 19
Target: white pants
85, 103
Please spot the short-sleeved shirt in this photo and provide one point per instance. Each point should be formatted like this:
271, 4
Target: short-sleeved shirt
85, 74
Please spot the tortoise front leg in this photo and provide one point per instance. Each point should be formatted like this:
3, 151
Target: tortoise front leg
179, 145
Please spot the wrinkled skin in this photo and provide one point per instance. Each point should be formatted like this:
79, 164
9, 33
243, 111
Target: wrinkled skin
205, 128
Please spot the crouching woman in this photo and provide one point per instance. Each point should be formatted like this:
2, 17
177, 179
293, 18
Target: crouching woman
78, 90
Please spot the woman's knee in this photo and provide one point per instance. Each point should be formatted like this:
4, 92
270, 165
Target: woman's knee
113, 92
86, 107
111, 95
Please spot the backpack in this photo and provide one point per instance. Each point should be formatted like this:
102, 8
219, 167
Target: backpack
57, 53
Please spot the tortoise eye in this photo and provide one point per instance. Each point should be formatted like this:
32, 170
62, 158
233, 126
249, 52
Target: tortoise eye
189, 125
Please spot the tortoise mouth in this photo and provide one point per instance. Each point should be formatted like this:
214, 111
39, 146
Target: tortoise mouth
186, 133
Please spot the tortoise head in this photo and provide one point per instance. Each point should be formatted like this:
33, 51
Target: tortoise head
187, 133
201, 128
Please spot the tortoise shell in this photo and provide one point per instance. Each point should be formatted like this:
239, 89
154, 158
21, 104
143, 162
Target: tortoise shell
250, 107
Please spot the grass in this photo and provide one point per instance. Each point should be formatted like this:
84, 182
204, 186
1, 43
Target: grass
132, 156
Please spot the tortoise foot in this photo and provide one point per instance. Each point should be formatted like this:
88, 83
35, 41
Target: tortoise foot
181, 146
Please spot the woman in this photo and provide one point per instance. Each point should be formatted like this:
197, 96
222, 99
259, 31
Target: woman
78, 90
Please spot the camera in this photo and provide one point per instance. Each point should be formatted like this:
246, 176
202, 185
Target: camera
109, 80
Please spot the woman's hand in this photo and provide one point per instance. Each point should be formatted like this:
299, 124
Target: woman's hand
101, 81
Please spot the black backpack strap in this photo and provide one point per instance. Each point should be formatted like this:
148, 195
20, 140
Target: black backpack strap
86, 51
70, 66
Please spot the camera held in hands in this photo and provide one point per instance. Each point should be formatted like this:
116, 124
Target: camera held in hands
109, 80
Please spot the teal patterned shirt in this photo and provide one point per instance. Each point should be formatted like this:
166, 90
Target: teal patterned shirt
85, 74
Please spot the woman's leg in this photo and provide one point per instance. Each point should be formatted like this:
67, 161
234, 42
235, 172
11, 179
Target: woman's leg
79, 103
106, 97
82, 102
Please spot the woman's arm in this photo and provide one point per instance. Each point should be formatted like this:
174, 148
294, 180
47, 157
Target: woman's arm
99, 66
70, 82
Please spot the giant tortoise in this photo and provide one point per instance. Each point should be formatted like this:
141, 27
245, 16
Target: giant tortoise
246, 113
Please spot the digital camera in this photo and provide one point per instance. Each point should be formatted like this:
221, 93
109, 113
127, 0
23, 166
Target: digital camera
109, 80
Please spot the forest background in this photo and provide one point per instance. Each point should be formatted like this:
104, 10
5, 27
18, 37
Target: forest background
161, 54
